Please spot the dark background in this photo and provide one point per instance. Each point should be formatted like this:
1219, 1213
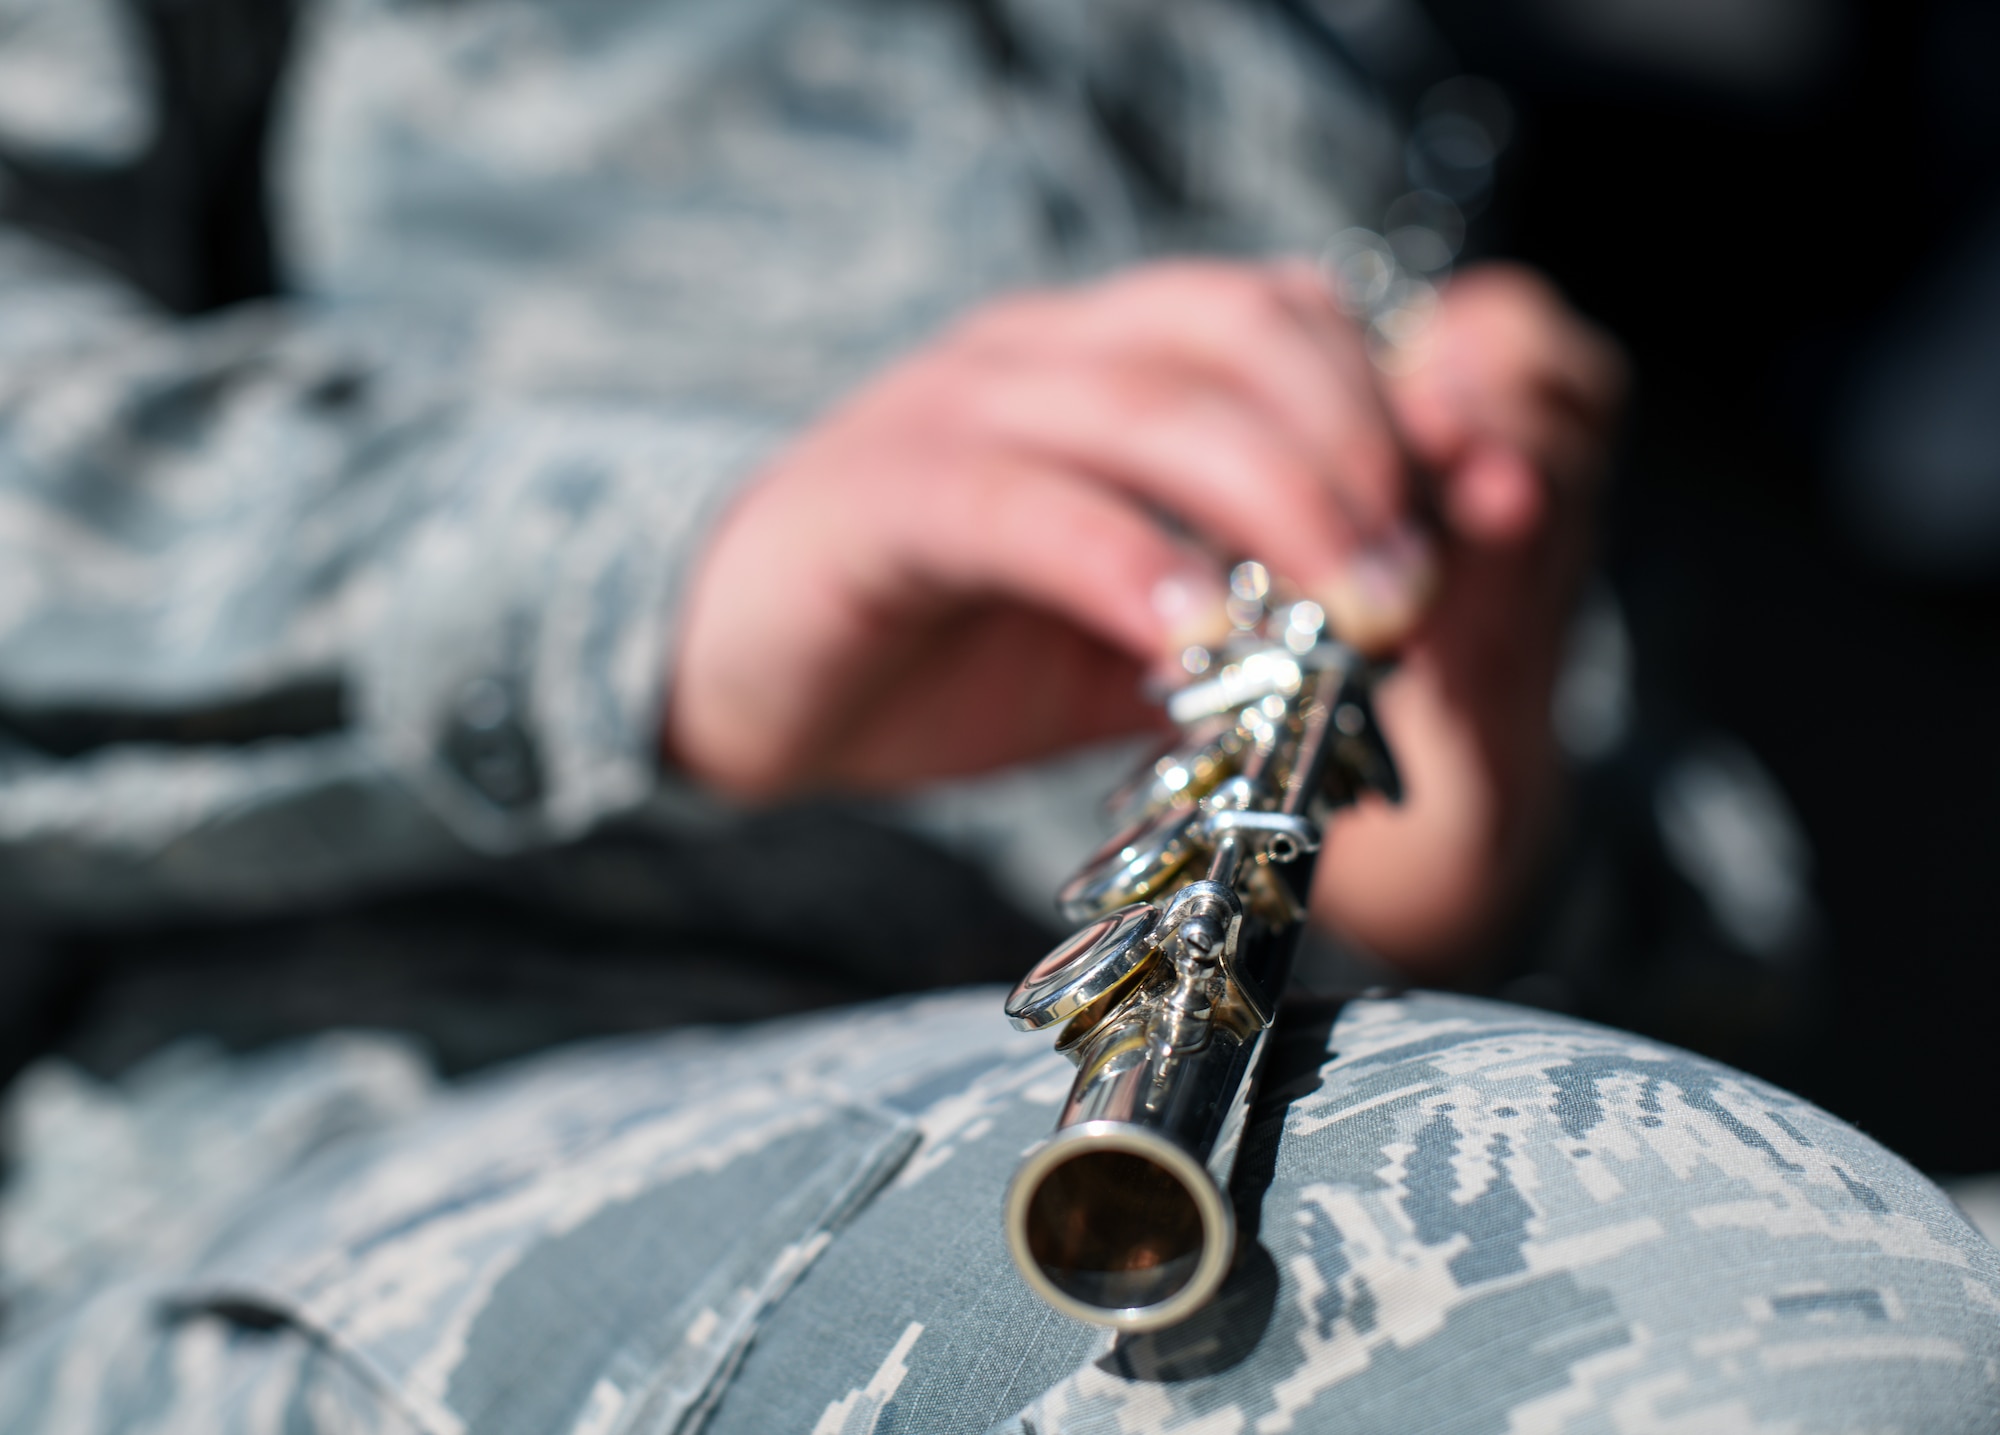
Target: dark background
1772, 252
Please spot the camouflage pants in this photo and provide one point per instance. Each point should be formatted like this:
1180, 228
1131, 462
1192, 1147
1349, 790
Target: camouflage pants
1464, 1217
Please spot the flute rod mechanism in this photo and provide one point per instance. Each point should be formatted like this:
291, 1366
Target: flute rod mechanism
1167, 994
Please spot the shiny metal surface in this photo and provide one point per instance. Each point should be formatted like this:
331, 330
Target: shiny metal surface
1121, 1226
1133, 865
1264, 671
1122, 1218
1088, 967
1272, 836
1182, 774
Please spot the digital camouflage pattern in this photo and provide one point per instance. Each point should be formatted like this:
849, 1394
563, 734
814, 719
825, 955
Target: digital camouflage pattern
1467, 1217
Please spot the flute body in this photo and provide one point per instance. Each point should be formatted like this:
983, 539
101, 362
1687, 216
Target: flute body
1167, 993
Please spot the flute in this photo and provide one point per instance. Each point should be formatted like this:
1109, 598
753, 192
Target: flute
1167, 994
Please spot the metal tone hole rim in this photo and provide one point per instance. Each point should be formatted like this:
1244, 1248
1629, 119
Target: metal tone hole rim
1097, 960
1218, 1223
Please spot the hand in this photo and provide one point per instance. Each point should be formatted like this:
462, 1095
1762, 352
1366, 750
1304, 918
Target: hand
965, 566
1509, 401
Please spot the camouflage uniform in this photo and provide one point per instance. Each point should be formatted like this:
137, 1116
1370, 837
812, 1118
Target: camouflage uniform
1477, 1219
562, 273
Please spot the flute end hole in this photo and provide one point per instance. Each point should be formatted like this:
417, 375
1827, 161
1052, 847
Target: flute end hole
1115, 1230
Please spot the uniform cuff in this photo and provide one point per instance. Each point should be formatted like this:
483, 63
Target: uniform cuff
517, 669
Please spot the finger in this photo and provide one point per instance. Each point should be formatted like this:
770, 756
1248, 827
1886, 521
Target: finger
1180, 444
1203, 452
1203, 455
1263, 332
960, 704
1495, 496
1519, 355
1523, 314
1022, 529
1529, 419
1514, 393
1530, 406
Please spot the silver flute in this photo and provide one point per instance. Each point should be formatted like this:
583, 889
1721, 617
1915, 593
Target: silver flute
1191, 920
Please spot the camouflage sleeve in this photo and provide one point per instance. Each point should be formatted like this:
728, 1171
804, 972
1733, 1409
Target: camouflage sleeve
303, 597
284, 608
1459, 1216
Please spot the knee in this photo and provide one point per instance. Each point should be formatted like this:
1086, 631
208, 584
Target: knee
1487, 1208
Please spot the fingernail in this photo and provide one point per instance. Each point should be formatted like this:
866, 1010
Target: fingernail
1382, 591
1193, 609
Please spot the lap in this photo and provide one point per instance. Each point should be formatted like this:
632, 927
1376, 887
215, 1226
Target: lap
1462, 1216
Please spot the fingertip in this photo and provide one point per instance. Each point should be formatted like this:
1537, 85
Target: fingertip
1192, 606
1495, 497
1084, 553
1376, 598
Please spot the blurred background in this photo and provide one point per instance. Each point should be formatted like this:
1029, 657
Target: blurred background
1788, 211
1783, 693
